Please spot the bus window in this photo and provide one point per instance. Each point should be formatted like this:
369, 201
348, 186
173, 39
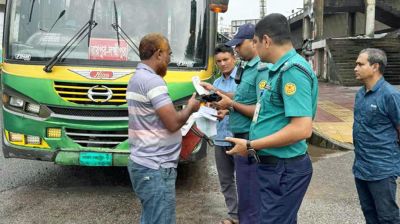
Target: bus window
39, 35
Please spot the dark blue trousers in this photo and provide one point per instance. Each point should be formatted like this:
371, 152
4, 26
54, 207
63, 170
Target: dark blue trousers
248, 190
378, 200
282, 189
247, 187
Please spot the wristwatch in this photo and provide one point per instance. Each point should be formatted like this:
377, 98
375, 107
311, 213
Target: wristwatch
231, 106
252, 152
248, 145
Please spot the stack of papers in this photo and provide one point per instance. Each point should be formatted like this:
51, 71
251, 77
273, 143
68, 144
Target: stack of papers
208, 112
206, 122
205, 118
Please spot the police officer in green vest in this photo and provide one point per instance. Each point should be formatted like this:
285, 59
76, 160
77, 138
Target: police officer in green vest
282, 121
242, 106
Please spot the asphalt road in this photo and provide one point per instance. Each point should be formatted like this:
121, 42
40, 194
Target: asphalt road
41, 192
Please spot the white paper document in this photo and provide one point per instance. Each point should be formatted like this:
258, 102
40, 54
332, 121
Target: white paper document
199, 89
205, 120
209, 113
207, 127
189, 123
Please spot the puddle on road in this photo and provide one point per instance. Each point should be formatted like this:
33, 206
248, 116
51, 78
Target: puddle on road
318, 153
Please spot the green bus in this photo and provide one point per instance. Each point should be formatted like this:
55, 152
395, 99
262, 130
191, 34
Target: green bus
66, 68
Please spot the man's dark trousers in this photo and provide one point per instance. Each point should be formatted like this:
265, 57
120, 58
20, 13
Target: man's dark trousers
247, 187
282, 189
378, 200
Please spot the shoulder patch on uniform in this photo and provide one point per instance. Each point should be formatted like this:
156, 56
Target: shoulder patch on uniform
262, 84
290, 88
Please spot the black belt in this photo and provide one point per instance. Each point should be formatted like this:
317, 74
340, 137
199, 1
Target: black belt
272, 160
244, 135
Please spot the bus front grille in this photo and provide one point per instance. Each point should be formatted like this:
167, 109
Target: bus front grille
101, 139
82, 113
92, 93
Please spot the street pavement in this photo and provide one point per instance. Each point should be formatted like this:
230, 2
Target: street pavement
334, 119
333, 124
41, 192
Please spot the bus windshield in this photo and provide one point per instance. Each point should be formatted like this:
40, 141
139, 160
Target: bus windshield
38, 29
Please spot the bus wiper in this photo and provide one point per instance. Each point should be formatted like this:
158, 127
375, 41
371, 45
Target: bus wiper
122, 33
79, 36
91, 21
116, 21
82, 33
30, 14
62, 13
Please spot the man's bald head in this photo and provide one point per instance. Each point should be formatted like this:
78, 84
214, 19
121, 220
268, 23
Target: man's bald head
150, 44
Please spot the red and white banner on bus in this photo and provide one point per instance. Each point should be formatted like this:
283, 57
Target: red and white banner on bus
108, 49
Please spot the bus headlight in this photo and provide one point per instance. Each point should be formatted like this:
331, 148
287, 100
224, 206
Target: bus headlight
25, 140
21, 104
53, 132
16, 137
32, 108
16, 102
32, 140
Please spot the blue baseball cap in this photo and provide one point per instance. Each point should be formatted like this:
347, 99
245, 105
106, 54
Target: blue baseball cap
245, 31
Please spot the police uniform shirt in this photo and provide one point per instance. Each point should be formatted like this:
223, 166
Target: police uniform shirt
295, 95
246, 93
262, 78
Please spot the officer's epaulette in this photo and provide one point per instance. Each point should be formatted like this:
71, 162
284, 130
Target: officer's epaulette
262, 66
289, 65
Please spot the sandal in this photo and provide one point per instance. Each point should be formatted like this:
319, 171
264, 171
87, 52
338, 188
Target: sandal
229, 221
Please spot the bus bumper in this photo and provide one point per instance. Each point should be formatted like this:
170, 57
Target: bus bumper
13, 151
65, 157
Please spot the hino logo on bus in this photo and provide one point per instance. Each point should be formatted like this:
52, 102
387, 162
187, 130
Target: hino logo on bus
100, 94
101, 74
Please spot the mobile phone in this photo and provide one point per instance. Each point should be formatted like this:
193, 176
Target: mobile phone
223, 140
211, 98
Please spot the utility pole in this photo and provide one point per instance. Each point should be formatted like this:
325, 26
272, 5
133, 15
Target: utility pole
263, 8
307, 8
319, 19
370, 17
320, 55
307, 50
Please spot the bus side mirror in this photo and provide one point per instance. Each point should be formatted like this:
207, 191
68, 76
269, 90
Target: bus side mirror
219, 6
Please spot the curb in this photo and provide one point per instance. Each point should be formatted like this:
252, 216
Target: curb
320, 140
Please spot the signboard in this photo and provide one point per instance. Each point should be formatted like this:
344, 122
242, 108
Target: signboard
108, 49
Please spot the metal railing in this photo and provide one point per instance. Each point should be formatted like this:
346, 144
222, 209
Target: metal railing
300, 12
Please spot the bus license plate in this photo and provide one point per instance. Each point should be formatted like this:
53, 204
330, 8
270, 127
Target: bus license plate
95, 159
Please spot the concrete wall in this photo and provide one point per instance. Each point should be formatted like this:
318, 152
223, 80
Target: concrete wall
297, 38
393, 3
360, 24
336, 25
